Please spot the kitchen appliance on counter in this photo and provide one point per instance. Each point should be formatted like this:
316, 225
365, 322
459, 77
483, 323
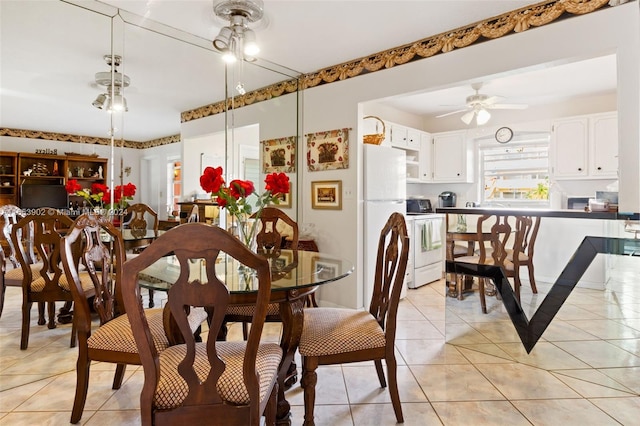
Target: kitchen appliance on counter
577, 203
447, 199
419, 206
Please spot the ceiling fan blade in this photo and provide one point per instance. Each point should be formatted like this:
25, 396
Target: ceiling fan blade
451, 113
468, 117
508, 106
492, 100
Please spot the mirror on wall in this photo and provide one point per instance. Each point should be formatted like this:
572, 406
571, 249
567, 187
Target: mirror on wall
51, 52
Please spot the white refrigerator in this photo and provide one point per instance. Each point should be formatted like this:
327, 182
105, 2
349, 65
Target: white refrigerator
385, 190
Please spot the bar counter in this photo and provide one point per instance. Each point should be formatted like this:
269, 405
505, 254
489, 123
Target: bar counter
567, 214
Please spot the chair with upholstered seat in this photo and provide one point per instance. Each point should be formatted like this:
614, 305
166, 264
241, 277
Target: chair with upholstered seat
112, 341
338, 336
52, 285
492, 251
13, 271
269, 241
230, 383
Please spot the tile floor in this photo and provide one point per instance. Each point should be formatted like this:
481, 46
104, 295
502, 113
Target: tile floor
584, 371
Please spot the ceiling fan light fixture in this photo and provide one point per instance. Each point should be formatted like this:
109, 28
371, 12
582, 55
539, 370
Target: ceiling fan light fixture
482, 116
114, 82
466, 118
237, 39
101, 101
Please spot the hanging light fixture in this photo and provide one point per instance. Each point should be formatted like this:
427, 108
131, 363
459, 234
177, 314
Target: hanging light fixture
237, 41
114, 82
482, 116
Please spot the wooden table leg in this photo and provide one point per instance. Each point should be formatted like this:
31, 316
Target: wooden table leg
292, 314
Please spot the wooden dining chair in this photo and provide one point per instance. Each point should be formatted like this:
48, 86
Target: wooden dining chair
141, 219
338, 336
269, 242
51, 285
230, 383
522, 252
492, 251
11, 214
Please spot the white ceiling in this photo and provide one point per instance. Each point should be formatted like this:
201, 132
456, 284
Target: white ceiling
50, 51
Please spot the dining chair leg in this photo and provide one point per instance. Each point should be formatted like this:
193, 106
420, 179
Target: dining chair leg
26, 318
3, 287
392, 372
82, 386
483, 301
41, 319
119, 376
51, 312
271, 410
532, 279
308, 383
380, 371
151, 302
245, 330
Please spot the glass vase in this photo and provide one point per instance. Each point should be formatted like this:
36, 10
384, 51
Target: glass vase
246, 232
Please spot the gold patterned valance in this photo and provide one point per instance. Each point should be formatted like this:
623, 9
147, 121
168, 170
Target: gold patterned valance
91, 140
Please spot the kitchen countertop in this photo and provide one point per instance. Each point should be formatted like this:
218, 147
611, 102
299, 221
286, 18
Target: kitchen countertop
574, 214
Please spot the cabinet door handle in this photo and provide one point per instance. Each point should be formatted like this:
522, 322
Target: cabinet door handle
579, 169
599, 168
457, 174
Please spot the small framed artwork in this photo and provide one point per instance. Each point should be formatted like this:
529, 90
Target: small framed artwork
279, 155
328, 150
326, 194
284, 200
325, 268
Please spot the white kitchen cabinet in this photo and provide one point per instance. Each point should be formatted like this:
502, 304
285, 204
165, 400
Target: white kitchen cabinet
585, 147
603, 153
569, 141
452, 157
405, 137
425, 165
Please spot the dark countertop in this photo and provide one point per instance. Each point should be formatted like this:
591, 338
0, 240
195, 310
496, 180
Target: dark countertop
573, 214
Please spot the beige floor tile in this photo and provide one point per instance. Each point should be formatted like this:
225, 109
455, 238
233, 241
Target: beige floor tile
325, 415
607, 329
416, 352
563, 412
497, 331
12, 398
593, 383
415, 414
109, 418
629, 377
544, 355
600, 354
560, 330
417, 330
479, 413
44, 418
517, 381
363, 386
624, 410
454, 383
485, 354
8, 382
330, 388
464, 334
432, 313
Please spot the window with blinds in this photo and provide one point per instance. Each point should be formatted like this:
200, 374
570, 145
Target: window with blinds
517, 173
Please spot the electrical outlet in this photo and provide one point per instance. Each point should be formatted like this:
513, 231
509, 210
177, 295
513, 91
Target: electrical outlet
348, 193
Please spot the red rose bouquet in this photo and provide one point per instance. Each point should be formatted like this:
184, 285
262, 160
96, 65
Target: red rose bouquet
240, 197
99, 195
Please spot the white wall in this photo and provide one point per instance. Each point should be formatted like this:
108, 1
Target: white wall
154, 177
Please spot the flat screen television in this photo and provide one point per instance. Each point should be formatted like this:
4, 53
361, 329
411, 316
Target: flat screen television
36, 196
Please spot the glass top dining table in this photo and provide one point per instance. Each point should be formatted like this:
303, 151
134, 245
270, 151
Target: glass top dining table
290, 270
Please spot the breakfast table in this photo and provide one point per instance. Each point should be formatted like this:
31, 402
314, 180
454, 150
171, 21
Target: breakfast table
295, 274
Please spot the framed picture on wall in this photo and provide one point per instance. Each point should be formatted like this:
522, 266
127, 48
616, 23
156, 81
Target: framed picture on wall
326, 194
328, 150
279, 155
325, 268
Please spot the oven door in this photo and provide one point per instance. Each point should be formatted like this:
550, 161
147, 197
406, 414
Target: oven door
428, 249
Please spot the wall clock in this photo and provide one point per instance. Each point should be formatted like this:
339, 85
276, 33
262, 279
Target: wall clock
504, 134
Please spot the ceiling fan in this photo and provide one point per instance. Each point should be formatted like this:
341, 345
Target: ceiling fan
478, 106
